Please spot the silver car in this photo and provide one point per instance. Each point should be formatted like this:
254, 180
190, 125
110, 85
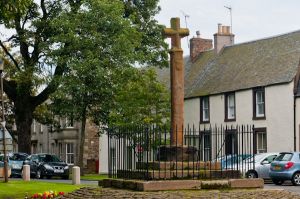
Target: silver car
257, 169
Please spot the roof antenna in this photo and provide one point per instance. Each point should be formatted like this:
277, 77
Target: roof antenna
185, 19
230, 11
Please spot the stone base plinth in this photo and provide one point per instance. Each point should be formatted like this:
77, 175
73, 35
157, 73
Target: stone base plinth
177, 174
177, 153
2, 172
165, 185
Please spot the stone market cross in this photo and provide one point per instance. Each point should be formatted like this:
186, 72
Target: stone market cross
177, 80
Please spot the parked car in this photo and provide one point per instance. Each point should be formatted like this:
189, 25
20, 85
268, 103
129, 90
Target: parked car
47, 165
228, 160
286, 167
257, 166
15, 162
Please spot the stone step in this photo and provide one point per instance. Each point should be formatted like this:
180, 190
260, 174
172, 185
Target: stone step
177, 174
156, 165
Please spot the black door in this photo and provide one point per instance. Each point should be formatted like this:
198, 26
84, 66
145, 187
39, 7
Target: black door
231, 143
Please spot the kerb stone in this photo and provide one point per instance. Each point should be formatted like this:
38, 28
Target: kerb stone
215, 184
246, 183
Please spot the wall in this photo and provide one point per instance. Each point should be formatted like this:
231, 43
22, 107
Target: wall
279, 114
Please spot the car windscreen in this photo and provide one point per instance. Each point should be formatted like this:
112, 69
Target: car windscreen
49, 158
284, 157
17, 157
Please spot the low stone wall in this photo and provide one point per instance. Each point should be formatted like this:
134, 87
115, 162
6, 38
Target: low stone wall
165, 185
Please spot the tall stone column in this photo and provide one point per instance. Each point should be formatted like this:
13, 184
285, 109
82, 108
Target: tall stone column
177, 80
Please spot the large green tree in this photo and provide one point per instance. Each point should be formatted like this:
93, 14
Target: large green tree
141, 100
50, 40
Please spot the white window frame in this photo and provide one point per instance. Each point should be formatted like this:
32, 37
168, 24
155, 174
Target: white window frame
259, 102
205, 109
60, 150
34, 127
69, 123
41, 128
261, 141
70, 154
231, 106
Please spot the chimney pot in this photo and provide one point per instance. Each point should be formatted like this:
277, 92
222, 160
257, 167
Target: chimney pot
223, 38
224, 30
219, 28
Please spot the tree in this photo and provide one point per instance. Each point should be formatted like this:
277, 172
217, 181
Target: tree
142, 100
53, 39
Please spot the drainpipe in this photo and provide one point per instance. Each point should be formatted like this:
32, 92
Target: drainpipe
294, 123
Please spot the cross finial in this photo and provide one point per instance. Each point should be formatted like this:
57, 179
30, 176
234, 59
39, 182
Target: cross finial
176, 33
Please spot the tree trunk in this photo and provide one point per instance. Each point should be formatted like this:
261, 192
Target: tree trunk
24, 117
82, 141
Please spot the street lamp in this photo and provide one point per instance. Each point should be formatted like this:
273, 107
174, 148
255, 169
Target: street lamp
3, 122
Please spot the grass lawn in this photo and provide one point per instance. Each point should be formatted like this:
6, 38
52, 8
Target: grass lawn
19, 189
93, 177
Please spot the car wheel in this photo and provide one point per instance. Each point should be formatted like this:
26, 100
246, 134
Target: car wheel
251, 174
38, 174
296, 179
277, 182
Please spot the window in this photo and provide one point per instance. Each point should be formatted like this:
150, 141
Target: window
60, 151
259, 103
41, 148
34, 148
70, 153
52, 148
69, 123
204, 109
34, 127
261, 140
229, 107
41, 128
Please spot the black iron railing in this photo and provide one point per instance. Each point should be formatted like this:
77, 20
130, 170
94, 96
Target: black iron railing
146, 152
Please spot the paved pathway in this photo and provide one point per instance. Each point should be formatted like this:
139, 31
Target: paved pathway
108, 193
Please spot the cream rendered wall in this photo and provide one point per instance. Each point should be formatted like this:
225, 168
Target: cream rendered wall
280, 117
297, 126
279, 114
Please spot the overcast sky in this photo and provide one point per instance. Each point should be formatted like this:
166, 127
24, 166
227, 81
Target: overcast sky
251, 19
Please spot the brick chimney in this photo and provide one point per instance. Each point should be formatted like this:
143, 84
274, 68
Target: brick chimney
198, 45
223, 38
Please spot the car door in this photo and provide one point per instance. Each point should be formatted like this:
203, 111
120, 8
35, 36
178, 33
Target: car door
264, 166
33, 162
